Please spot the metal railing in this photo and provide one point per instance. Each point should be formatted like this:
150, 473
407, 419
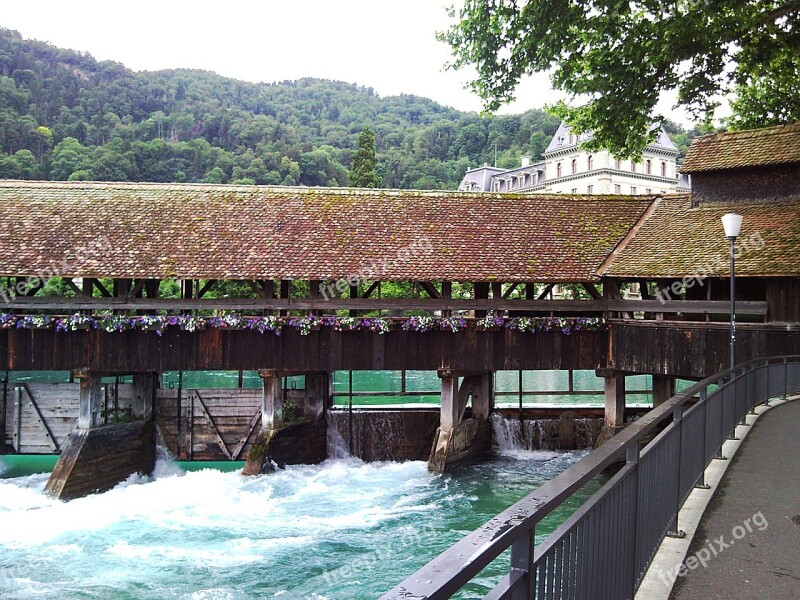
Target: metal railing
605, 548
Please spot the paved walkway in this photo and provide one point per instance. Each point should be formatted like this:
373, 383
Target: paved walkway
749, 537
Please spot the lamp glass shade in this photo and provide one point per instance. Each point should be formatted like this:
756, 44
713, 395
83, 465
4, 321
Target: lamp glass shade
732, 224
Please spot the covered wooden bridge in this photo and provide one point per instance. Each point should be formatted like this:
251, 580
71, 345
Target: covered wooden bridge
110, 279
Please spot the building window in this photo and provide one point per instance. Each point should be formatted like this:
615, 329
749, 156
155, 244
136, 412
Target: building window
574, 190
617, 164
574, 166
590, 162
558, 170
663, 169
570, 139
633, 167
648, 167
617, 188
648, 191
590, 189
633, 189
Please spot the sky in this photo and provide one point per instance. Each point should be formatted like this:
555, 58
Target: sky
389, 46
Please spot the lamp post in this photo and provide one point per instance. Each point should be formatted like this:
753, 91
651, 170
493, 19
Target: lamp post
732, 223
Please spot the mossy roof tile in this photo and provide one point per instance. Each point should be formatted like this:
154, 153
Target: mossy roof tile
249, 232
741, 149
677, 240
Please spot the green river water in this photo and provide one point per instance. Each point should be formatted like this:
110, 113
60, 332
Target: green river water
344, 529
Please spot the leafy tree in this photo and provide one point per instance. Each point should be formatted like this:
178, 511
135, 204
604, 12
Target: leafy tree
621, 55
83, 119
364, 172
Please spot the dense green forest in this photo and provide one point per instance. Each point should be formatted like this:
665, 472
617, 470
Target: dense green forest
66, 116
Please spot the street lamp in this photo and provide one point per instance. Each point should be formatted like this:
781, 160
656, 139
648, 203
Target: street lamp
732, 223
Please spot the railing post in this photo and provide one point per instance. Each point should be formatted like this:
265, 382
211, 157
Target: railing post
718, 454
677, 419
632, 459
522, 560
703, 401
785, 378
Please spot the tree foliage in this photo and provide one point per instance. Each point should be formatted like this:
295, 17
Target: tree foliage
364, 173
65, 116
618, 56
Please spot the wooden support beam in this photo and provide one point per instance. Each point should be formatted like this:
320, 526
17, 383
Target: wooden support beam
285, 293
372, 287
497, 290
663, 389
451, 412
530, 291
91, 400
271, 400
144, 392
70, 305
615, 399
71, 285
88, 287
103, 291
32, 285
207, 287
511, 289
643, 289
136, 291
592, 290
315, 397
269, 289
212, 426
51, 440
151, 287
430, 289
122, 287
256, 286
353, 295
480, 292
548, 288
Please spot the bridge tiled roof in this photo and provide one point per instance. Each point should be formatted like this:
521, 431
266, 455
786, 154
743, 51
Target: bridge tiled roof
188, 231
741, 149
676, 240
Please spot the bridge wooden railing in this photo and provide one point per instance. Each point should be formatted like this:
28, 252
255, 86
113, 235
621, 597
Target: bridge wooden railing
67, 305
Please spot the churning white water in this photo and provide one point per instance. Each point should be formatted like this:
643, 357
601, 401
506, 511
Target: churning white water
342, 529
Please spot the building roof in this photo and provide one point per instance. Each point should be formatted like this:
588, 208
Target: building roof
740, 149
560, 140
675, 240
192, 231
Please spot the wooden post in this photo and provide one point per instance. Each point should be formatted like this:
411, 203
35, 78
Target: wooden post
615, 398
353, 295
314, 399
143, 394
482, 396
450, 413
447, 294
16, 436
481, 289
271, 400
285, 291
91, 400
663, 389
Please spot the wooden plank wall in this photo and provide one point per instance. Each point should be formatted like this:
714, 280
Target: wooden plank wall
231, 414
324, 350
228, 414
57, 414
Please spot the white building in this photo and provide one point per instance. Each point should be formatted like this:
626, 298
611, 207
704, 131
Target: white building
565, 168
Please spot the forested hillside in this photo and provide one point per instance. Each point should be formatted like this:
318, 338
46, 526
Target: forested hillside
66, 116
